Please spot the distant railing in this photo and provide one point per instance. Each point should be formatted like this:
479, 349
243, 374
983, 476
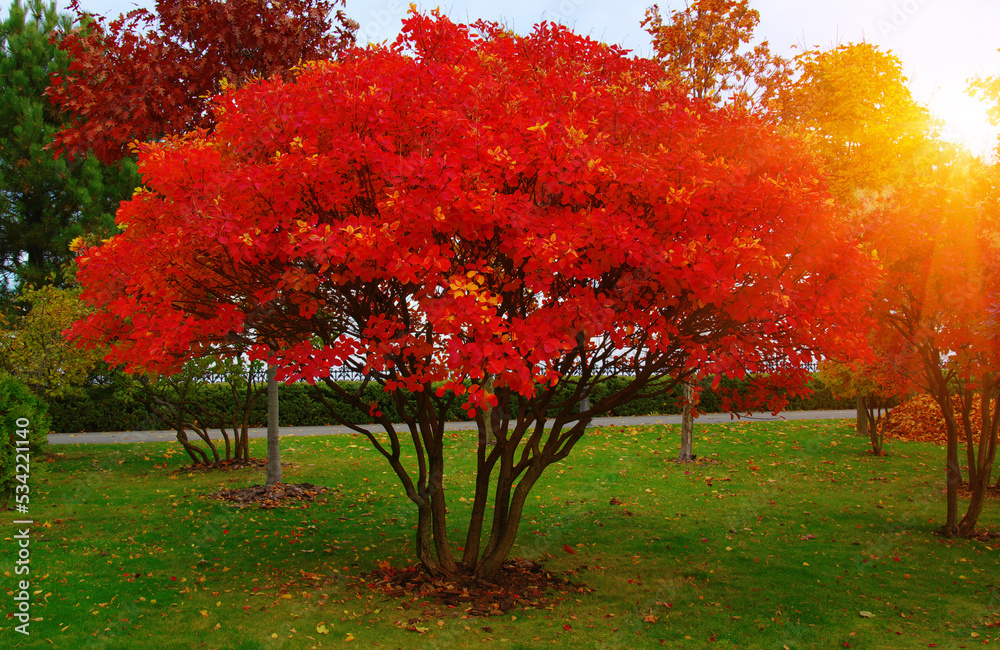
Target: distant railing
345, 374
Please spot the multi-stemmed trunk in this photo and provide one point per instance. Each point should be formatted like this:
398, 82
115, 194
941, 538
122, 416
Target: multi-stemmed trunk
873, 418
523, 445
980, 464
981, 460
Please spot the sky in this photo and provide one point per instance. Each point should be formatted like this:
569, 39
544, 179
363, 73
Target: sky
941, 43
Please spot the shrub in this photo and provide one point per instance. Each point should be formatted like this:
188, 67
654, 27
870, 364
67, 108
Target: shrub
17, 405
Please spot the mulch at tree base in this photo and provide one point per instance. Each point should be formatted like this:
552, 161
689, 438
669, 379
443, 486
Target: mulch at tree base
224, 465
520, 585
992, 492
987, 535
270, 496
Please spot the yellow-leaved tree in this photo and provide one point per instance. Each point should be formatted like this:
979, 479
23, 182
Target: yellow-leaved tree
852, 103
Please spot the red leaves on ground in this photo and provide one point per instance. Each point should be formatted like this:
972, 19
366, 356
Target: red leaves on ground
920, 420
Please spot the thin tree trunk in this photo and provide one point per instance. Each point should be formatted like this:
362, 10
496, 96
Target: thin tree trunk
862, 416
425, 539
202, 432
970, 450
273, 435
225, 436
488, 412
191, 449
687, 425
953, 475
987, 456
875, 433
502, 541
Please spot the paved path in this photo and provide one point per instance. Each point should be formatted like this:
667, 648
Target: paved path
708, 418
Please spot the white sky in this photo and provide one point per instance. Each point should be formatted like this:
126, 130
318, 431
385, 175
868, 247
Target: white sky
942, 43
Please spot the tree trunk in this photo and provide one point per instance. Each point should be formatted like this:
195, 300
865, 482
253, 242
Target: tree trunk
687, 425
189, 448
225, 436
273, 449
503, 536
488, 412
970, 451
953, 475
876, 434
979, 478
862, 416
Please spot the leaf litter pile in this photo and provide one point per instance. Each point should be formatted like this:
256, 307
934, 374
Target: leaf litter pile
521, 585
920, 420
223, 465
270, 496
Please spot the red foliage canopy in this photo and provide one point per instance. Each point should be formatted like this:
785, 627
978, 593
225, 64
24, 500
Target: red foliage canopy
467, 202
147, 74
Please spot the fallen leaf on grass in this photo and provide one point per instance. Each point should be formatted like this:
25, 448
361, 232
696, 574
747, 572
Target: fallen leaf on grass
866, 614
322, 629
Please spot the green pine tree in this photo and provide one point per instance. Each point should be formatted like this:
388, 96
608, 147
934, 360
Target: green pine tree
45, 202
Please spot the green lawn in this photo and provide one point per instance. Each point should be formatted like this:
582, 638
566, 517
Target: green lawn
783, 537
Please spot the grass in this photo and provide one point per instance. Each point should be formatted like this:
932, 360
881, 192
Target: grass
783, 536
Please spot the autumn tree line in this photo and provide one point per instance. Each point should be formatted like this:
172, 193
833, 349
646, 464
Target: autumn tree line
510, 225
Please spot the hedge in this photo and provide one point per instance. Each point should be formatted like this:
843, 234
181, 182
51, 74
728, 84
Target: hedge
113, 408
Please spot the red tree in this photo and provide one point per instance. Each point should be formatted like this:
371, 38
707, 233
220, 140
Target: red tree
146, 74
468, 206
938, 242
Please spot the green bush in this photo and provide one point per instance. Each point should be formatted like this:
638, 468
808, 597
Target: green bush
18, 406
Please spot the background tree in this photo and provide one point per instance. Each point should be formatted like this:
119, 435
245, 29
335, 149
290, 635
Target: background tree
708, 46
879, 384
151, 73
33, 348
182, 402
470, 202
938, 241
146, 75
854, 107
45, 202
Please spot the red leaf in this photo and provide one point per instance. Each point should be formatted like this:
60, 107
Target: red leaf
569, 549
